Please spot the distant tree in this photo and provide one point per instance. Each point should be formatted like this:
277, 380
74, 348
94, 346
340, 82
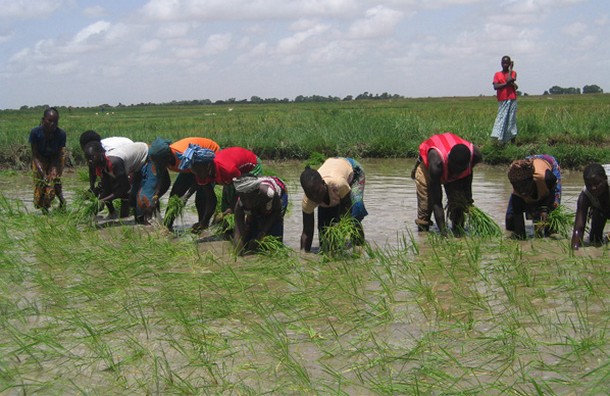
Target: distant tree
557, 90
256, 99
348, 98
364, 95
592, 89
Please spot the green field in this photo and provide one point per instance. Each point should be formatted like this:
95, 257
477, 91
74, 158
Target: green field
134, 310
573, 128
126, 309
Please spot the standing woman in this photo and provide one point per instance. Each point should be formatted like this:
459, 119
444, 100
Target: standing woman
48, 143
505, 127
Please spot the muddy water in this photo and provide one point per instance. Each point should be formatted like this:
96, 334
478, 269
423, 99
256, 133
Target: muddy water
389, 196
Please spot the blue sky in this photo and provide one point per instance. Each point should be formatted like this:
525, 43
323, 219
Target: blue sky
86, 53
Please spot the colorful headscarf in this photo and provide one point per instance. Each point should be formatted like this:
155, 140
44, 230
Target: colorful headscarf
195, 154
246, 183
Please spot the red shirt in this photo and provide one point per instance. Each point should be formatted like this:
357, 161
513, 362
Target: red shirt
229, 163
443, 143
508, 92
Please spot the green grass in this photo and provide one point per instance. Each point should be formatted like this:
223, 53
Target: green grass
573, 128
132, 309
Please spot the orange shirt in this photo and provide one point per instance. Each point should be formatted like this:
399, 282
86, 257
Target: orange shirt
181, 145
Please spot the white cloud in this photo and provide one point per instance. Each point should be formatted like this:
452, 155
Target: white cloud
95, 29
150, 46
175, 49
173, 30
6, 36
162, 9
223, 10
295, 43
96, 11
68, 67
217, 43
378, 21
602, 20
12, 9
575, 29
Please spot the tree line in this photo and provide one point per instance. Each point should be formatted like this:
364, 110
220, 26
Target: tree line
555, 90
587, 89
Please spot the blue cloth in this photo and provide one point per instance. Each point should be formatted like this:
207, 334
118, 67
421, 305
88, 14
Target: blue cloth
357, 194
48, 147
146, 188
505, 126
195, 154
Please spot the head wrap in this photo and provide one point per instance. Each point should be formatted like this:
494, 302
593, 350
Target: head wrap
195, 154
246, 183
521, 170
159, 148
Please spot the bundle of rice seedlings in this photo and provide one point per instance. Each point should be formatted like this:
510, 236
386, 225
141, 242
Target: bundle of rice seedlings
175, 207
559, 221
86, 206
271, 246
228, 223
337, 239
481, 224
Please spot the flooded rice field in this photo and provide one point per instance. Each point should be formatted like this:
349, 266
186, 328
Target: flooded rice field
113, 311
389, 197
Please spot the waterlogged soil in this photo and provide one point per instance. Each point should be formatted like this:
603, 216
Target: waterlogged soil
391, 202
389, 197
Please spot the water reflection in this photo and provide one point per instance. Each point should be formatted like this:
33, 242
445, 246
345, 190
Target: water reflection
389, 196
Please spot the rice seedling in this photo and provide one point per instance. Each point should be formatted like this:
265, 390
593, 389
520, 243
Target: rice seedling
175, 208
85, 207
480, 224
559, 221
271, 246
338, 239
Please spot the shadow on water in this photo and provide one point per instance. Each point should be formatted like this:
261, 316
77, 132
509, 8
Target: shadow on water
389, 198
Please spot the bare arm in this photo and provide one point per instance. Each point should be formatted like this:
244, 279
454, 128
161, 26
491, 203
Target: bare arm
241, 229
307, 235
37, 160
582, 208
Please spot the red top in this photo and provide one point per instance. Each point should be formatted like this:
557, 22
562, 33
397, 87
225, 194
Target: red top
229, 163
507, 92
178, 148
443, 143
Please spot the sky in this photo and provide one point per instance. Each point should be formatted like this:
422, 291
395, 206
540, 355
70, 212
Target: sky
88, 53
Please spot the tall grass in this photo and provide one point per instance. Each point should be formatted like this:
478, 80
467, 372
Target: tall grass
573, 128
